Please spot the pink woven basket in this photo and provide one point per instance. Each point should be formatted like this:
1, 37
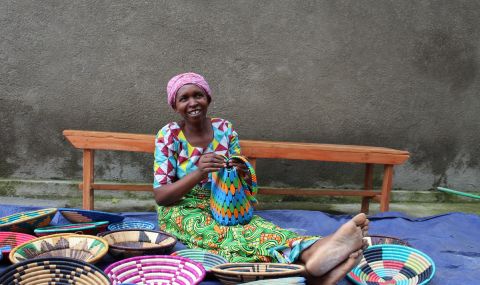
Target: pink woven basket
156, 269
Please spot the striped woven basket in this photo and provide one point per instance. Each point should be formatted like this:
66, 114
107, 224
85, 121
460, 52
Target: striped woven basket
27, 222
236, 273
86, 216
393, 264
92, 228
131, 225
156, 269
53, 271
9, 240
82, 247
207, 259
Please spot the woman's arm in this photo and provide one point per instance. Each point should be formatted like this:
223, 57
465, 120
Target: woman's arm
170, 193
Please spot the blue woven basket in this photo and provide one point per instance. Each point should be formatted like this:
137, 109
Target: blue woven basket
393, 264
131, 225
86, 216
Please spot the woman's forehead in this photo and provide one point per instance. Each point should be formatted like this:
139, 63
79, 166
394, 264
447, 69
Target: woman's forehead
189, 88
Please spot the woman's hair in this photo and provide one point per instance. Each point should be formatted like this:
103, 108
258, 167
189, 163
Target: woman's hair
183, 79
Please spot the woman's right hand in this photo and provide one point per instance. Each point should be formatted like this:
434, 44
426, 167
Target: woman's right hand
210, 162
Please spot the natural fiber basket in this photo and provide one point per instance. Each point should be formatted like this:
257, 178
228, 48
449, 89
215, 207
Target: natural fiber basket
92, 228
27, 222
280, 281
156, 269
393, 264
82, 247
131, 225
85, 216
207, 259
128, 243
53, 271
9, 240
380, 239
235, 273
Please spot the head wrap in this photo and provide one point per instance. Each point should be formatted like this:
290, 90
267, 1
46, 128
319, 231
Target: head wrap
183, 79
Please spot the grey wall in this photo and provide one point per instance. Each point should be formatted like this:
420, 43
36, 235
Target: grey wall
401, 74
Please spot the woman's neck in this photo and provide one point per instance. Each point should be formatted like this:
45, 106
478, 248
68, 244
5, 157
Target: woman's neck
197, 128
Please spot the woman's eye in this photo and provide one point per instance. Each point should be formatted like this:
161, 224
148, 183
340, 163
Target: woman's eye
198, 95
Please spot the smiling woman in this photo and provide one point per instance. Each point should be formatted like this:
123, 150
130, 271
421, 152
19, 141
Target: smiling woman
187, 152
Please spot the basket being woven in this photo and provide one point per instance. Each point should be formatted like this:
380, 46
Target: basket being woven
156, 269
393, 264
27, 222
82, 247
53, 271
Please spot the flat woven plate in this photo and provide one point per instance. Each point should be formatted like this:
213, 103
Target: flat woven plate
393, 264
380, 239
53, 270
235, 273
27, 222
207, 259
92, 228
128, 243
9, 240
85, 216
131, 225
82, 247
156, 269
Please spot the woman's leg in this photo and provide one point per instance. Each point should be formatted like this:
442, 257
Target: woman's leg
327, 253
334, 276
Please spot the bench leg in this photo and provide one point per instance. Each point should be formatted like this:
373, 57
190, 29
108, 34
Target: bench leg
386, 187
88, 176
367, 185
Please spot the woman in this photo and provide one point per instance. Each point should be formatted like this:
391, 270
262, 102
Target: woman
187, 152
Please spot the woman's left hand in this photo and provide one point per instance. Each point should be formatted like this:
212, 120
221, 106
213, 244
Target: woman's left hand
242, 169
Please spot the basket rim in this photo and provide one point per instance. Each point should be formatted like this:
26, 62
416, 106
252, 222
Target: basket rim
49, 211
218, 270
113, 246
104, 251
53, 261
86, 226
402, 248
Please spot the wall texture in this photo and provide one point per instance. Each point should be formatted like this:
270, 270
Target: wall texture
401, 74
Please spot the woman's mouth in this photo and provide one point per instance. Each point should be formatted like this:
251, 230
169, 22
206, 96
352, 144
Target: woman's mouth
194, 113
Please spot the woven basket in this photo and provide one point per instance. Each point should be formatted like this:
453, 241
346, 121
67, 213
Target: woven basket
280, 281
128, 243
131, 225
53, 271
379, 239
86, 216
207, 259
82, 247
393, 264
156, 269
9, 240
92, 228
235, 273
27, 222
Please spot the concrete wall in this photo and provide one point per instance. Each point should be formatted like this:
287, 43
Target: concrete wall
401, 74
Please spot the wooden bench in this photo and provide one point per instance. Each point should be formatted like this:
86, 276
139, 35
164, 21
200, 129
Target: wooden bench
90, 141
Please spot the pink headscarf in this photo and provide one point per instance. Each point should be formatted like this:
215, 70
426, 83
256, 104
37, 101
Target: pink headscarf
183, 79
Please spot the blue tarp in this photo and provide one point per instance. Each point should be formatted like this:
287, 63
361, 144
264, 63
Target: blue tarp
452, 240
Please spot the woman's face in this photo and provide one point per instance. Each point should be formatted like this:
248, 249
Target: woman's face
191, 102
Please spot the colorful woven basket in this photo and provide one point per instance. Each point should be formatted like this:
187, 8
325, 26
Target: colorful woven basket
232, 197
86, 216
131, 225
81, 228
207, 259
156, 269
53, 271
393, 264
379, 239
27, 222
235, 273
128, 243
82, 247
9, 240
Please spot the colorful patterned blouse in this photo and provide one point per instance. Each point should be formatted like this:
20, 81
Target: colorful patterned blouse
175, 157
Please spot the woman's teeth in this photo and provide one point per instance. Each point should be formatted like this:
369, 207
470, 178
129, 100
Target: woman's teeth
193, 113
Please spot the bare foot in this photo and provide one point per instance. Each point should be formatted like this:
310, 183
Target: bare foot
340, 271
336, 248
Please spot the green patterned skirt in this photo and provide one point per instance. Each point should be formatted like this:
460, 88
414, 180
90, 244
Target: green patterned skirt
258, 241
